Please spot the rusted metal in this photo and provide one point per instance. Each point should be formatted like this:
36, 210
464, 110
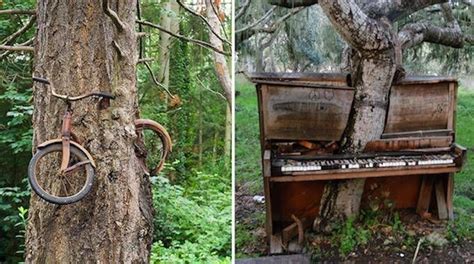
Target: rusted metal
66, 139
140, 125
79, 146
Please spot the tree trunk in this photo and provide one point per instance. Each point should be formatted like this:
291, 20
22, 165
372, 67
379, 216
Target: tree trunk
171, 23
373, 67
75, 50
222, 71
372, 79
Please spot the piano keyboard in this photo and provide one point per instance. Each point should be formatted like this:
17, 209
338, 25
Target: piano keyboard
289, 165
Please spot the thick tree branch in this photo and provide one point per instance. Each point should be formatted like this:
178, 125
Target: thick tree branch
113, 16
17, 12
394, 9
360, 31
417, 33
181, 37
204, 20
12, 37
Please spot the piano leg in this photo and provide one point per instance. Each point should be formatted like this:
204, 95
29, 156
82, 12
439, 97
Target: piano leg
449, 196
276, 245
424, 196
441, 199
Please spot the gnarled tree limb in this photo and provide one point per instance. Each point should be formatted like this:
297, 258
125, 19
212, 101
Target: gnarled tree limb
417, 33
394, 9
258, 21
360, 31
12, 37
181, 37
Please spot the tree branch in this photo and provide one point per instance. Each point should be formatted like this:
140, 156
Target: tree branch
241, 35
113, 16
265, 16
12, 37
360, 31
204, 20
17, 48
417, 33
8, 52
242, 9
395, 9
181, 37
156, 81
17, 12
292, 3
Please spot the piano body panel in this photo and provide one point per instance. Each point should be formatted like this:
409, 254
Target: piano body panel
310, 113
415, 107
379, 190
301, 199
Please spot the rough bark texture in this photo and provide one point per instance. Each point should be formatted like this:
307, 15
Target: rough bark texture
373, 67
220, 62
75, 50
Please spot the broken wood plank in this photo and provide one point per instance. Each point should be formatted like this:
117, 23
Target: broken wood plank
441, 199
424, 196
449, 196
276, 246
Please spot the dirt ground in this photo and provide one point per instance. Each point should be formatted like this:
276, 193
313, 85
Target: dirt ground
382, 247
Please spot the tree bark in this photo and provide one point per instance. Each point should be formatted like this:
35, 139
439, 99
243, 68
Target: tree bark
373, 67
220, 62
222, 71
75, 49
171, 23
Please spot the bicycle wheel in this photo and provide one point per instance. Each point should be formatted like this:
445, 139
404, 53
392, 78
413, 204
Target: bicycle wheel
156, 145
54, 186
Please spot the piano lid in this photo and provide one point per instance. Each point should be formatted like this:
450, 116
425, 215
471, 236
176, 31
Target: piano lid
316, 106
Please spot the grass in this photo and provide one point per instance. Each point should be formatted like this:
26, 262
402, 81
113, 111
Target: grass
351, 234
247, 138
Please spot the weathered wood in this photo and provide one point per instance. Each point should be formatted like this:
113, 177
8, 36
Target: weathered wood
398, 144
418, 107
295, 229
449, 196
364, 173
276, 246
441, 199
304, 113
424, 196
419, 133
281, 259
259, 77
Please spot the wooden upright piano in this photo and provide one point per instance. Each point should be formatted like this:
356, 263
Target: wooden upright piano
302, 120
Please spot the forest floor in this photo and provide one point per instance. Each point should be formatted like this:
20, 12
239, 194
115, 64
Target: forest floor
377, 236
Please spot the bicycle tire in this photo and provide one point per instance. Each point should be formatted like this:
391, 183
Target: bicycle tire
165, 138
35, 185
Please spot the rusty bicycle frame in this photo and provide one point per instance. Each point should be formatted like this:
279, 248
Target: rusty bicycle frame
68, 138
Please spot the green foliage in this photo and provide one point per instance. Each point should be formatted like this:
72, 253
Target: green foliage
192, 227
350, 236
247, 134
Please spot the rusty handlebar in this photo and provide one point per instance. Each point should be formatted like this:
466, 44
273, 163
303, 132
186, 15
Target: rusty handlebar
102, 94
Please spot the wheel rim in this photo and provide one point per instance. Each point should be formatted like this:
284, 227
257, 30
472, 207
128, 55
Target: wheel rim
60, 187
